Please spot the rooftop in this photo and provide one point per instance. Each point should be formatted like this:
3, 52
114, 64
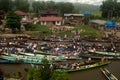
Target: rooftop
73, 14
21, 13
50, 18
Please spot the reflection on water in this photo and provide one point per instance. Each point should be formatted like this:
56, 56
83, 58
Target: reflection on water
91, 74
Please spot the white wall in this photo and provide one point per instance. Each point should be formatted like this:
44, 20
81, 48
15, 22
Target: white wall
58, 23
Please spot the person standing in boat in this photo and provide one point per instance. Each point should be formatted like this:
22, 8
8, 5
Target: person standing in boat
89, 59
102, 59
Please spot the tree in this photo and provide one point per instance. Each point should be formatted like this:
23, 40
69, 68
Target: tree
6, 5
21, 5
59, 76
109, 9
38, 6
61, 7
33, 74
45, 73
64, 7
13, 21
45, 70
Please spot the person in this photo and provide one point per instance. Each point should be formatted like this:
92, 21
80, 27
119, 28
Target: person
1, 75
89, 59
102, 59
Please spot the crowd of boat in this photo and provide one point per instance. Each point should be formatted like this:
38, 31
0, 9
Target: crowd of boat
69, 49
26, 50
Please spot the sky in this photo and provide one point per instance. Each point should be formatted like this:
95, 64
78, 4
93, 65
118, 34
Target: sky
94, 2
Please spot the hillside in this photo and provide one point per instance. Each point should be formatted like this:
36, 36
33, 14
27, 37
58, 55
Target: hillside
86, 7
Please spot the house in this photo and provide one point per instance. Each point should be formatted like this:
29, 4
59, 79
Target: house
26, 17
50, 18
73, 19
97, 23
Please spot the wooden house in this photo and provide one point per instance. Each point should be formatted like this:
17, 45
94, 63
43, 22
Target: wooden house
50, 18
73, 19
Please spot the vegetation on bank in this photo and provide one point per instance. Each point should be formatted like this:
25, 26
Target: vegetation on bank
45, 72
84, 31
89, 31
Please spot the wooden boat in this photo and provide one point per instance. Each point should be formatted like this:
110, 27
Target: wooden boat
108, 74
100, 57
23, 59
85, 67
29, 57
105, 53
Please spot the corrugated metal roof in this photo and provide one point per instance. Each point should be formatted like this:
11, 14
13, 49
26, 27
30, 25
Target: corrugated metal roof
100, 22
73, 14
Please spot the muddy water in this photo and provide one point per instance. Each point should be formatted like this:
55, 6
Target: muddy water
96, 74
91, 74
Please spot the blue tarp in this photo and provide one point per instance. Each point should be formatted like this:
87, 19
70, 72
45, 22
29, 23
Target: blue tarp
86, 13
110, 24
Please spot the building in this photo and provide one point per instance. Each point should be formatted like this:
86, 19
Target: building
26, 17
98, 24
73, 19
50, 18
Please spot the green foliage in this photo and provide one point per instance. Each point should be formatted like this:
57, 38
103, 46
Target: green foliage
29, 26
21, 5
86, 19
89, 31
33, 74
43, 30
59, 76
13, 21
6, 5
45, 73
110, 9
61, 7
38, 27
37, 75
30, 74
64, 7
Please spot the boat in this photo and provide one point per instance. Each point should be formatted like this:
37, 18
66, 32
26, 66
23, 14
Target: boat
30, 58
105, 53
108, 74
96, 57
85, 66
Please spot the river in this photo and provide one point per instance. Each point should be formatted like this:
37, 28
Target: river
95, 73
90, 74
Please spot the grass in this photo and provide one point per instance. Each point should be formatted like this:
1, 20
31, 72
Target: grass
86, 30
41, 28
89, 31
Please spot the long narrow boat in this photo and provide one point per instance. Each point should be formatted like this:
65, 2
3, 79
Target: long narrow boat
29, 58
96, 57
105, 53
85, 67
108, 74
